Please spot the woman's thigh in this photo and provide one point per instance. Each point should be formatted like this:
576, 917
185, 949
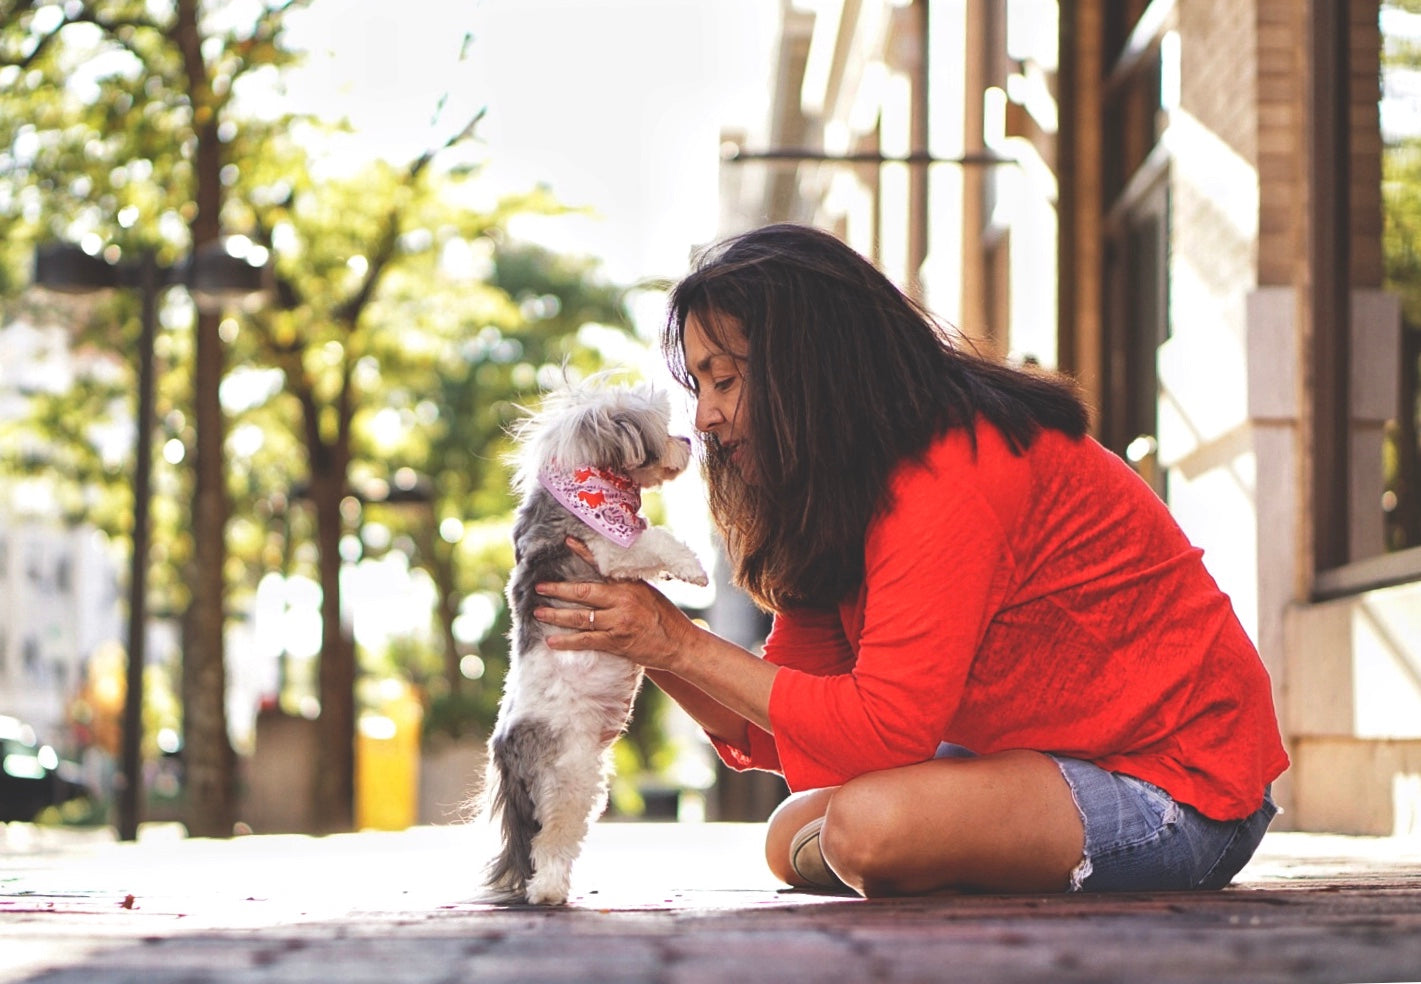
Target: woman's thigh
1004, 822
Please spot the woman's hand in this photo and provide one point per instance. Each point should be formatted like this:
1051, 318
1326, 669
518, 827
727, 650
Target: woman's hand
626, 618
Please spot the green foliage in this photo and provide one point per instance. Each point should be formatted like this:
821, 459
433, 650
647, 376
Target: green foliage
1401, 236
457, 713
408, 328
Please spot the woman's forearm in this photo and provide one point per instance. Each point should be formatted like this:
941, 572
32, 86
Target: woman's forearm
722, 686
717, 720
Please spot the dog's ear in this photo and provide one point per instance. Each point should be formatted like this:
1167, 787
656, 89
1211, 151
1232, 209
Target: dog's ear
632, 445
637, 445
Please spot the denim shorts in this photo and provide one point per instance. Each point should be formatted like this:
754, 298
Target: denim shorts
1138, 839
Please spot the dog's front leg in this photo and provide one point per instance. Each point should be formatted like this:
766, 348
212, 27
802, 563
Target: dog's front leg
656, 554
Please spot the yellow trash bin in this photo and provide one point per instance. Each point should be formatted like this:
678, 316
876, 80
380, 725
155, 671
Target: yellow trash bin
387, 765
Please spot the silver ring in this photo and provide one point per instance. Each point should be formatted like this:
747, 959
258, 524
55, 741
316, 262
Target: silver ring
591, 618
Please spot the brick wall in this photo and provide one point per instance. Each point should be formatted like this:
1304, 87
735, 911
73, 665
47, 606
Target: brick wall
1281, 140
1366, 142
1282, 41
1214, 183
1220, 40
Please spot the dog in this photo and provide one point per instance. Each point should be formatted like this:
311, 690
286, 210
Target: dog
585, 456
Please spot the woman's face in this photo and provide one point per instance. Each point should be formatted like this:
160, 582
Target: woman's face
720, 386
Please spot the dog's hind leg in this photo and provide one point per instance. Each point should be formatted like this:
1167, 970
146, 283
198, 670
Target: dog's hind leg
516, 761
569, 796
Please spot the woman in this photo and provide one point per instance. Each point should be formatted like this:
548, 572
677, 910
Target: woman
996, 663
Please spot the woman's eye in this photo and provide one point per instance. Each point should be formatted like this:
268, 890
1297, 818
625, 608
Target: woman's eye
724, 384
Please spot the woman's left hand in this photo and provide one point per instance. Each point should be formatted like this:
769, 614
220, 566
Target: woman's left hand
626, 618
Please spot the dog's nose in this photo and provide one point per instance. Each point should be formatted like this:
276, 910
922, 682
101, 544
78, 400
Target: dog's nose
686, 441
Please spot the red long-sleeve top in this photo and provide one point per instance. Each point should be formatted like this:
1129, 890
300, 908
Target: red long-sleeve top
1046, 601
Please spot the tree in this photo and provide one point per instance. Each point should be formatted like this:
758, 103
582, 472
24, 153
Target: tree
141, 135
369, 321
376, 315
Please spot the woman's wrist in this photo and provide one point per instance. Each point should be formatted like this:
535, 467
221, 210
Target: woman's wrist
682, 648
729, 674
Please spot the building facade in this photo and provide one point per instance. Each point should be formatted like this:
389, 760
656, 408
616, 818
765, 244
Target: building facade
58, 605
1179, 202
59, 584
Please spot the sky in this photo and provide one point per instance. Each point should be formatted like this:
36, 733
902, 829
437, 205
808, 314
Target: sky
614, 104
1401, 89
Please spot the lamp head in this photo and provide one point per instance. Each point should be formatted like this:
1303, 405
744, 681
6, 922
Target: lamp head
66, 268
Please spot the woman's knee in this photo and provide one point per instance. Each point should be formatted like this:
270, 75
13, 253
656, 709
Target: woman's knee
862, 831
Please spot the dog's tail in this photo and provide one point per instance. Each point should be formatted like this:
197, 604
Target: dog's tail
514, 754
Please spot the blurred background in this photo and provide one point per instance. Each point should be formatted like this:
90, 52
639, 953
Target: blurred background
277, 274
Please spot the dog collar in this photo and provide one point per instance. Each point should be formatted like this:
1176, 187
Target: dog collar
606, 500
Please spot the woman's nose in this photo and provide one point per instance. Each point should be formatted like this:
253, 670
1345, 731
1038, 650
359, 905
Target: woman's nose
707, 415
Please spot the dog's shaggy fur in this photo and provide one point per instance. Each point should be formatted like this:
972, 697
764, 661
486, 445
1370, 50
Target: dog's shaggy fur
549, 758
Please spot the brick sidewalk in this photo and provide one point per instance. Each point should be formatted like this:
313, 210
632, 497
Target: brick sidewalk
665, 904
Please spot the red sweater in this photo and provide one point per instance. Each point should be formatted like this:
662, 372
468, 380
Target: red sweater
1045, 601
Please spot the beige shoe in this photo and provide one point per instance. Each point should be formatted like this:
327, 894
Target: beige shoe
807, 860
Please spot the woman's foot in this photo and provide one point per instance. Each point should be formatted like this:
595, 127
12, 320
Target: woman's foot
807, 860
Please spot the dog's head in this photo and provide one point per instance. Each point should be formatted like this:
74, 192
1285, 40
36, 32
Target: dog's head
597, 424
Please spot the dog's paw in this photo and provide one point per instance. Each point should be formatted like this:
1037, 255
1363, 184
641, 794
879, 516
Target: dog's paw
684, 566
691, 573
547, 892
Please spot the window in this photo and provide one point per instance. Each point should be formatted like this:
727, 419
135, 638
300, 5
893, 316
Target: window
1135, 183
1400, 111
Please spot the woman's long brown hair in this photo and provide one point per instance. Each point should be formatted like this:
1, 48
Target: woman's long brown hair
845, 377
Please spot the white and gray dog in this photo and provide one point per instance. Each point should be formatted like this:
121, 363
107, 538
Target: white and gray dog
585, 456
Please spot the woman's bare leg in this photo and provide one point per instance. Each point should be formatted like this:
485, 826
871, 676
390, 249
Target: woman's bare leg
999, 823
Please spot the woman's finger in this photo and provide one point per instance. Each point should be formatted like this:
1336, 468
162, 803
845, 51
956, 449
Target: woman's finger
577, 619
581, 549
578, 591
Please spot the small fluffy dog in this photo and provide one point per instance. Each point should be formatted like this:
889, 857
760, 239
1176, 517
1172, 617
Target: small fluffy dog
585, 457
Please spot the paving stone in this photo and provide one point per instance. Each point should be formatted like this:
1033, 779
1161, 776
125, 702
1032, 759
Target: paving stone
665, 904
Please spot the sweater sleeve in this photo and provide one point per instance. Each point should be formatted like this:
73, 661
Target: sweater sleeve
809, 641
937, 566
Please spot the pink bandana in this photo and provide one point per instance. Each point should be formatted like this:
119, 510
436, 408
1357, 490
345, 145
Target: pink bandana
608, 501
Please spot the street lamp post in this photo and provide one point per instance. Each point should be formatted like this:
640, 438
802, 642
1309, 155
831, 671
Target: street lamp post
223, 271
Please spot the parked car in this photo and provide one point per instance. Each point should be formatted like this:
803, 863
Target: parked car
32, 778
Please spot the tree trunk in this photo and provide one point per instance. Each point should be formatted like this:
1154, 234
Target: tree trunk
208, 758
334, 780
209, 761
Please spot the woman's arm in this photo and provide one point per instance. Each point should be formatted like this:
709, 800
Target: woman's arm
728, 679
718, 721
